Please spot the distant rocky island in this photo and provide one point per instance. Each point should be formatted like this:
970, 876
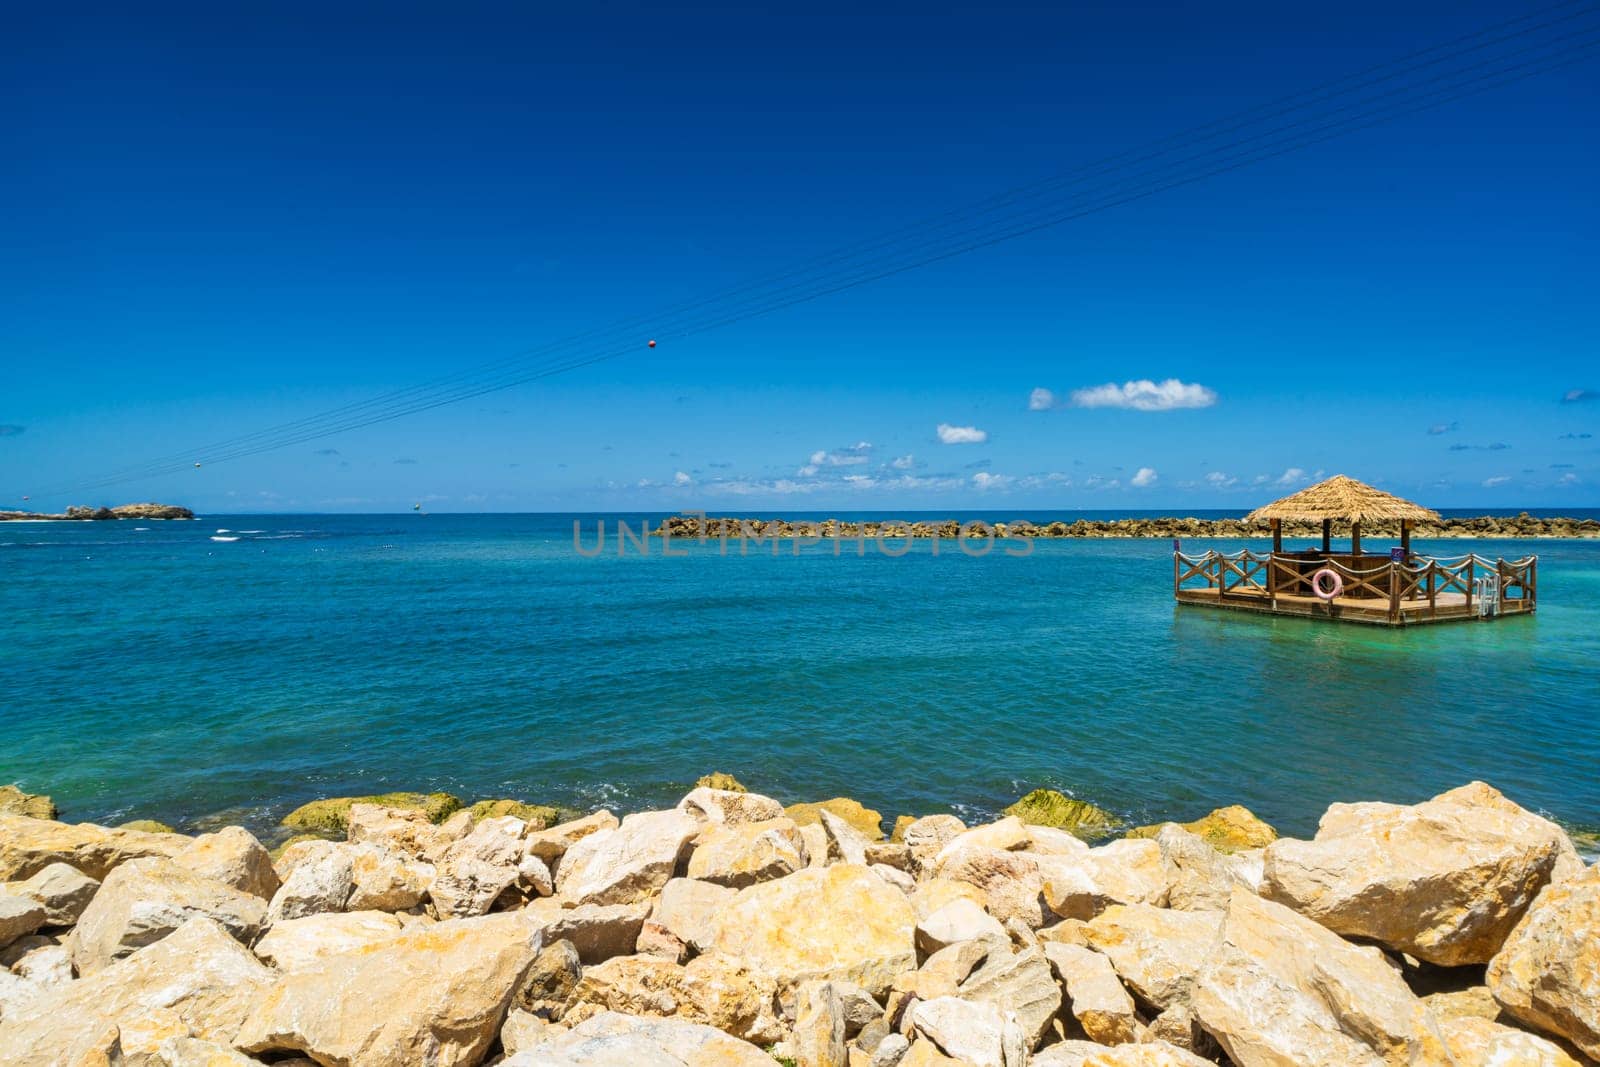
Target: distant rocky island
1482, 527
122, 511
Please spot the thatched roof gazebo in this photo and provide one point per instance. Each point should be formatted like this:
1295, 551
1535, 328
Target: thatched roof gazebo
1346, 500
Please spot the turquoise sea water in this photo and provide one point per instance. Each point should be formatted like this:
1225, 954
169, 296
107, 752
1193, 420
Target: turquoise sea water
147, 670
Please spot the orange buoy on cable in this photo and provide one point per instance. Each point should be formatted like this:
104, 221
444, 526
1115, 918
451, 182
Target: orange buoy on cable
652, 344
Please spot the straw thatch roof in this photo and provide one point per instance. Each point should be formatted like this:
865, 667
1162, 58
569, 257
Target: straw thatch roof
1342, 498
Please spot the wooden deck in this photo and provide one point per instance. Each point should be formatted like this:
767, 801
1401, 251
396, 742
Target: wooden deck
1378, 591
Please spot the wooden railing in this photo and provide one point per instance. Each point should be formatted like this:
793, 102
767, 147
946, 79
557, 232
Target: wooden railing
1393, 583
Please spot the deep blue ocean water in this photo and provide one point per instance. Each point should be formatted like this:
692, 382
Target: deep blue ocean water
148, 670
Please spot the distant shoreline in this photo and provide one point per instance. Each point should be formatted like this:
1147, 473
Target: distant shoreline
1484, 527
79, 513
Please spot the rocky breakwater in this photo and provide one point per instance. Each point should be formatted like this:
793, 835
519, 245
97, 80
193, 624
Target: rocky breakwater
731, 931
1487, 527
121, 511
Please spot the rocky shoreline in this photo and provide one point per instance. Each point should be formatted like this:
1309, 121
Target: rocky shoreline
78, 513
732, 931
1486, 527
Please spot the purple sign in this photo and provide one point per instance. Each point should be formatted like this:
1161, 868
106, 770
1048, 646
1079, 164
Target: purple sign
1397, 555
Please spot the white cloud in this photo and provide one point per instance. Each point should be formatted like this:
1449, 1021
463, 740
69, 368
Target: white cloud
1567, 479
860, 481
985, 481
848, 456
961, 435
1221, 480
1145, 395
1041, 400
903, 463
1144, 478
1292, 476
681, 478
1497, 481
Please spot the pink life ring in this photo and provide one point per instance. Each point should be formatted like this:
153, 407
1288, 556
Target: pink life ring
1327, 594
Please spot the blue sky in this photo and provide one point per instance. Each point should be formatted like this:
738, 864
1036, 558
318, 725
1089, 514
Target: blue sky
220, 220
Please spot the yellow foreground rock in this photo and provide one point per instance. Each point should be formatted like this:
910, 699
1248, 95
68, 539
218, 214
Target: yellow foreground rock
1234, 828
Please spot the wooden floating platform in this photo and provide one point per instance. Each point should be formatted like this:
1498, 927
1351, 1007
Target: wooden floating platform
1378, 591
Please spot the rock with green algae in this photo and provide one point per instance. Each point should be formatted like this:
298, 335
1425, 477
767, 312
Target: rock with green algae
331, 815
149, 826
719, 780
1231, 829
1047, 807
14, 801
539, 816
866, 820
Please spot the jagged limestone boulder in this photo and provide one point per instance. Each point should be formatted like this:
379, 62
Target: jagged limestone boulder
688, 909
1203, 878
1144, 1054
149, 826
926, 837
730, 806
145, 900
475, 870
720, 780
629, 863
19, 917
599, 931
1444, 880
611, 1039
1480, 1041
62, 891
294, 944
436, 994
742, 854
1122, 872
29, 845
551, 844
1047, 807
317, 876
14, 801
233, 857
403, 831
1279, 988
330, 816
841, 922
1231, 829
1156, 951
1547, 974
199, 975
1021, 985
1011, 883
960, 920
864, 819
1095, 995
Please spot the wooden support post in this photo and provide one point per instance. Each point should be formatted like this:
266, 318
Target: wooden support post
1394, 592
1272, 560
1405, 538
1327, 536
1355, 542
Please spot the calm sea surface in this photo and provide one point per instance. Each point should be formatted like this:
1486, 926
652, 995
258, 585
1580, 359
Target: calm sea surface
149, 670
